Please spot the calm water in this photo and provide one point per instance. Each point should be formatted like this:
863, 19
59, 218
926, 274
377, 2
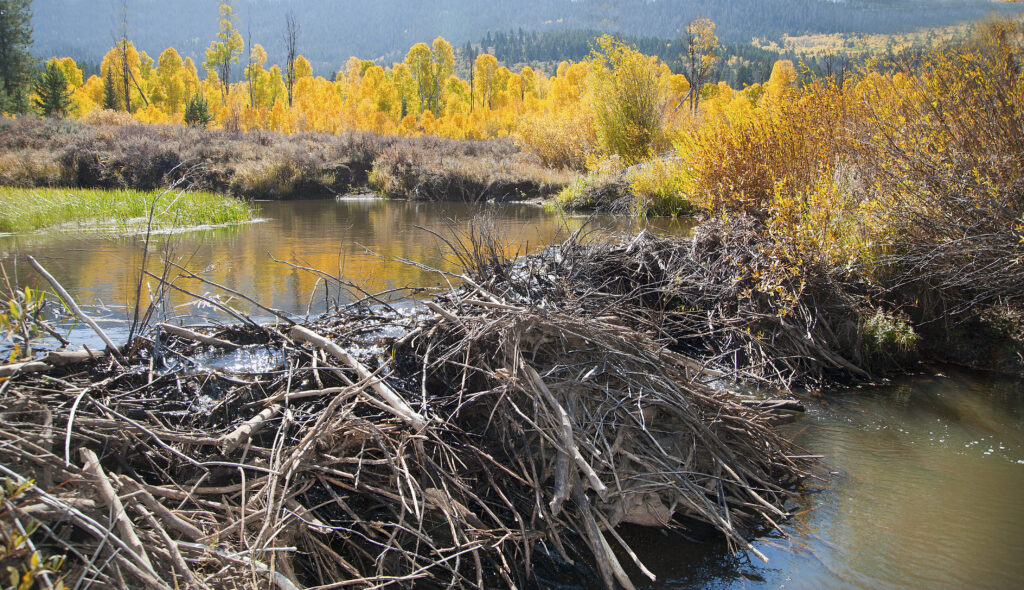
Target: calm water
926, 491
926, 488
359, 240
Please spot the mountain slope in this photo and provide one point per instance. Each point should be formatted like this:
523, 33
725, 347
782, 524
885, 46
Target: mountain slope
333, 30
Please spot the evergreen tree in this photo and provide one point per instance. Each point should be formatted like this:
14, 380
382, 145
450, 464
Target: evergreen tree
15, 60
111, 100
53, 98
197, 112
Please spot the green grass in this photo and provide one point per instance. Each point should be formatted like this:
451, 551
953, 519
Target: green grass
26, 210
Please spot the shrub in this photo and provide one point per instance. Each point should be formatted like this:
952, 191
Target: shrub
561, 139
660, 187
627, 100
887, 338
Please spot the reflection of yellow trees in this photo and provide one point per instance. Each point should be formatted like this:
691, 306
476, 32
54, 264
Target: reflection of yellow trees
358, 240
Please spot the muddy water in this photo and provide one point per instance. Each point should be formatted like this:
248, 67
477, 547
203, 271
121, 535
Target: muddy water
926, 482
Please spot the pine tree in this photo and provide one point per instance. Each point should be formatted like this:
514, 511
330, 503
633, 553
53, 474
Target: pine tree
111, 100
53, 98
15, 60
197, 112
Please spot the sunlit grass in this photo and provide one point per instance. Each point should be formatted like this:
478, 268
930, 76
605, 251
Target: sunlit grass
25, 210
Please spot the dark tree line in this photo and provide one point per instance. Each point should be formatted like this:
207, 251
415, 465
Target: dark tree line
16, 63
384, 30
740, 64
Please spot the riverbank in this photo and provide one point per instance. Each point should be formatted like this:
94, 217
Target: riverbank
268, 166
123, 211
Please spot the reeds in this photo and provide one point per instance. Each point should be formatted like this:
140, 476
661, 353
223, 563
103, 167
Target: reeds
24, 210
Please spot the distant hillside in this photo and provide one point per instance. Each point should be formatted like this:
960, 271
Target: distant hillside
333, 30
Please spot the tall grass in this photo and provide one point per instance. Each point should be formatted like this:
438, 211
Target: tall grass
24, 210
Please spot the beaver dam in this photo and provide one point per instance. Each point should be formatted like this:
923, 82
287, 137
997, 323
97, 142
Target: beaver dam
495, 435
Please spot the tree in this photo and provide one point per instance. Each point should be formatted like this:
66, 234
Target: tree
226, 50
53, 97
471, 52
291, 46
111, 100
418, 60
700, 42
197, 112
442, 66
15, 60
627, 100
486, 66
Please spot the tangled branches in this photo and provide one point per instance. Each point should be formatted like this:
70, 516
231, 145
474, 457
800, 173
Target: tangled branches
472, 443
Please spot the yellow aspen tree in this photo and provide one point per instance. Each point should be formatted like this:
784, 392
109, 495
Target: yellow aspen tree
418, 60
226, 49
486, 70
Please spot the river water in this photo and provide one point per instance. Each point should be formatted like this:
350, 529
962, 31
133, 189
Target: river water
923, 478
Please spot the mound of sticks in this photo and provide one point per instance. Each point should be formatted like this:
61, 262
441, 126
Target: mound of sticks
498, 432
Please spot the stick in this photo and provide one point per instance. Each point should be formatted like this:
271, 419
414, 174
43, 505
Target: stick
567, 435
26, 367
173, 520
398, 405
70, 301
176, 559
106, 491
251, 426
63, 359
187, 334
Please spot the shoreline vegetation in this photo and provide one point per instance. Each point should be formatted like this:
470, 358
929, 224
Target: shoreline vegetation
25, 210
262, 165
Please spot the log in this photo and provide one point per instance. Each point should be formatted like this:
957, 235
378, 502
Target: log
53, 359
26, 367
66, 358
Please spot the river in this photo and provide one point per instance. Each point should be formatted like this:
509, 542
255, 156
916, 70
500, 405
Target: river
923, 478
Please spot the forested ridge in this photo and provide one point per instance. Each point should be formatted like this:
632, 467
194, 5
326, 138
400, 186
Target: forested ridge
333, 30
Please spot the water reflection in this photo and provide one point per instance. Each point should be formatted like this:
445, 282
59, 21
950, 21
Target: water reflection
355, 239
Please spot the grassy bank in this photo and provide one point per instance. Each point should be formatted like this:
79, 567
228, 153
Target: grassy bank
29, 209
265, 165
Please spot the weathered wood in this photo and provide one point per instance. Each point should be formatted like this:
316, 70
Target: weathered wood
66, 358
118, 516
398, 405
187, 334
786, 405
248, 428
23, 368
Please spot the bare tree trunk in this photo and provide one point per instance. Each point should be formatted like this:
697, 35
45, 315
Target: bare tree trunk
291, 41
472, 70
248, 70
125, 68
